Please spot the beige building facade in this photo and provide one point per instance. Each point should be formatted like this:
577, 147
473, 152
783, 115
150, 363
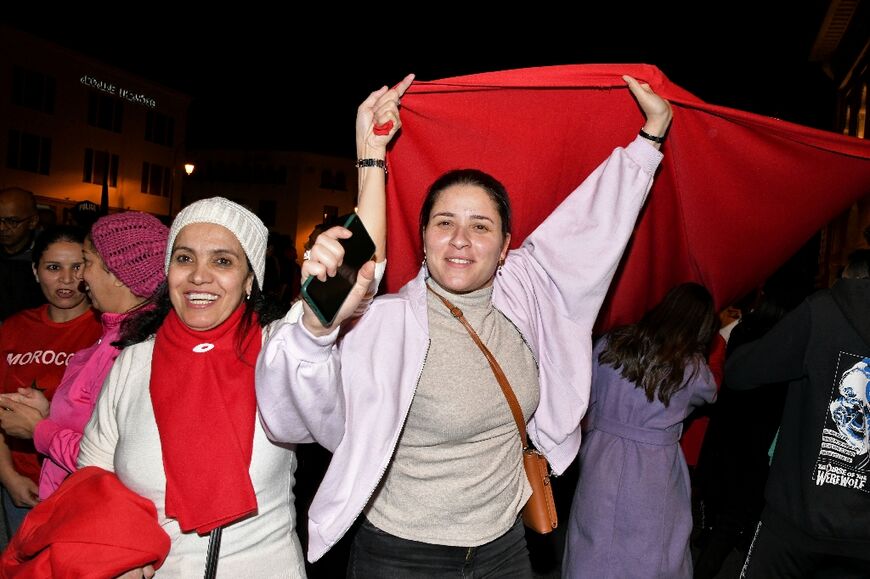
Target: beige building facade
68, 122
292, 192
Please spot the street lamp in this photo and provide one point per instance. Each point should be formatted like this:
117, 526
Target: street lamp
188, 169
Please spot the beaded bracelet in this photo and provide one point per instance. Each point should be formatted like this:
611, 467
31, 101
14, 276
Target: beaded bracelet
372, 163
652, 138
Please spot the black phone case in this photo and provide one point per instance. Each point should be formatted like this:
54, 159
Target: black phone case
326, 298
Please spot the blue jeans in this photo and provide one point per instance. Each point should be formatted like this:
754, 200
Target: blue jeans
376, 554
14, 515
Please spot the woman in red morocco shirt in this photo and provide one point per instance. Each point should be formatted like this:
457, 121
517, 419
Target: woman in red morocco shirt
35, 347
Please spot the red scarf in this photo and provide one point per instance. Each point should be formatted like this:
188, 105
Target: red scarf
204, 404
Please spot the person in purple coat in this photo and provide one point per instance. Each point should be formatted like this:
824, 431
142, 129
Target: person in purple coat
631, 515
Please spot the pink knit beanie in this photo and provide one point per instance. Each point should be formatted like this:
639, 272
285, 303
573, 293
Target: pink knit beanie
133, 247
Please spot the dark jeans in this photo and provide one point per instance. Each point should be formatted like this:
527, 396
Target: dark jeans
770, 557
376, 554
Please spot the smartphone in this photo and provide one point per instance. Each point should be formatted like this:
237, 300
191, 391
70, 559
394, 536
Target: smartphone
326, 297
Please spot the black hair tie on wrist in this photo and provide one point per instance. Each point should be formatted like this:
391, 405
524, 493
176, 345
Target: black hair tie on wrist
646, 135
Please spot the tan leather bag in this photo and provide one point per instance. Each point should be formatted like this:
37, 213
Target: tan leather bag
539, 514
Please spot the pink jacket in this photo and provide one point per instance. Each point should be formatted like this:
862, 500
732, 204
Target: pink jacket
353, 396
58, 436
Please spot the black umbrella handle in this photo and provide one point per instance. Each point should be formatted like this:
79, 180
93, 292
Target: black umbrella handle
214, 549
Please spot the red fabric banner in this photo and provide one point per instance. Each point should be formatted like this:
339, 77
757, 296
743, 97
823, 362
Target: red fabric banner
737, 193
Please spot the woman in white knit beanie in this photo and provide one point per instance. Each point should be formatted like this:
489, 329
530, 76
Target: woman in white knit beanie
177, 418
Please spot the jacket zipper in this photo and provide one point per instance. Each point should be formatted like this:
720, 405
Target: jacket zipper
393, 446
538, 368
522, 337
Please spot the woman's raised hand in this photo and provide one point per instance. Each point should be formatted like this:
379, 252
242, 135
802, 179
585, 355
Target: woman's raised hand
377, 119
657, 110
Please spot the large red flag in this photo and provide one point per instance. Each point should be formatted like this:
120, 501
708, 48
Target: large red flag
736, 195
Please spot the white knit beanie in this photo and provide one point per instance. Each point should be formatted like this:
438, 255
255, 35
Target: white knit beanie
247, 227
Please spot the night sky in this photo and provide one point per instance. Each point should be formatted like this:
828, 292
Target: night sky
257, 83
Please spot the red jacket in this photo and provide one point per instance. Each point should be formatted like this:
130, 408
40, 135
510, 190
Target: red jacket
93, 526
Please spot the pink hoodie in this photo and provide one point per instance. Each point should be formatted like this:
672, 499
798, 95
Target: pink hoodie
58, 436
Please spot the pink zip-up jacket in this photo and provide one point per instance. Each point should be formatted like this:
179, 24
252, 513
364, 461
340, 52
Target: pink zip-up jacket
353, 396
58, 436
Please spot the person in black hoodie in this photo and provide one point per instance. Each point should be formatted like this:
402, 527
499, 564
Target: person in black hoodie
817, 513
733, 465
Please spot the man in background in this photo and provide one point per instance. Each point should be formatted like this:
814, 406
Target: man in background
18, 222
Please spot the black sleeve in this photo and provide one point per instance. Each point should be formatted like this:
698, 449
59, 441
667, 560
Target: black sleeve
777, 357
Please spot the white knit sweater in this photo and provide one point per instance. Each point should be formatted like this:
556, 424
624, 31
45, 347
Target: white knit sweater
122, 437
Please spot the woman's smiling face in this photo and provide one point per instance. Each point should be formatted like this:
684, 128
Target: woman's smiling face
208, 275
463, 239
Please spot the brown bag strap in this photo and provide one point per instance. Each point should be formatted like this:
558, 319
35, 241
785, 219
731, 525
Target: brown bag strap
496, 369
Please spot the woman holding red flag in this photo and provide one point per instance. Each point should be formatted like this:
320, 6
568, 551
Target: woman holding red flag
425, 446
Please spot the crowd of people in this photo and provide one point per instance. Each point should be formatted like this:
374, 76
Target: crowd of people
162, 371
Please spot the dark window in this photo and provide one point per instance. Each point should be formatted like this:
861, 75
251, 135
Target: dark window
156, 179
336, 181
28, 152
88, 169
33, 89
159, 129
326, 179
95, 165
145, 177
105, 112
340, 182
